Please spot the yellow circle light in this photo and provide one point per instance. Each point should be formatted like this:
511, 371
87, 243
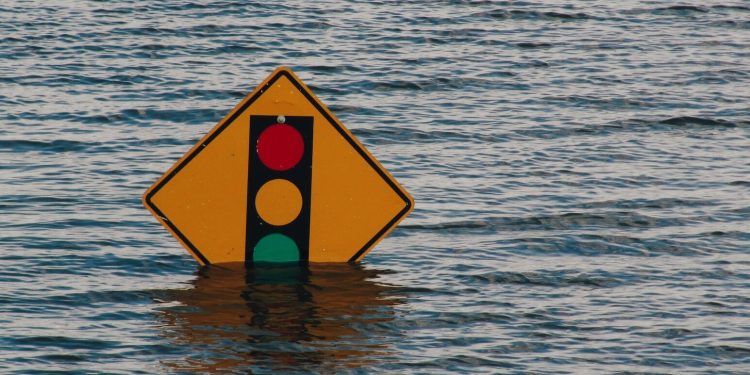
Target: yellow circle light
278, 202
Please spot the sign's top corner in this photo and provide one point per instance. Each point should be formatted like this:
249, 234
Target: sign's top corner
282, 69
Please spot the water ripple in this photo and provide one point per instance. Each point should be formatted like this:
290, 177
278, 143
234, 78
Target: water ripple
580, 172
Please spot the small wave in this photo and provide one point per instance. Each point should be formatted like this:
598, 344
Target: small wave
64, 80
188, 116
75, 223
669, 333
52, 146
432, 84
463, 363
734, 24
682, 8
62, 342
235, 49
92, 298
186, 93
397, 85
676, 123
729, 351
688, 10
702, 121
573, 220
149, 143
662, 203
598, 102
530, 45
530, 15
340, 109
732, 7
550, 279
140, 31
389, 135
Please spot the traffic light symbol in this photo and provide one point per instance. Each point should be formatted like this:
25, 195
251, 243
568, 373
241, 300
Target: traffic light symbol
279, 179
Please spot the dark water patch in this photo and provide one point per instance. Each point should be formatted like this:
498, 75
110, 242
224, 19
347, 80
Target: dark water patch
733, 24
681, 9
330, 69
71, 223
645, 203
17, 79
454, 35
70, 358
728, 234
235, 49
183, 93
328, 90
566, 221
598, 102
461, 363
61, 342
183, 6
555, 279
591, 245
357, 110
651, 125
393, 85
435, 20
157, 47
237, 6
140, 144
141, 31
452, 319
533, 45
129, 265
56, 146
184, 116
73, 301
670, 333
531, 63
740, 211
401, 135
68, 79
420, 60
702, 121
432, 84
22, 201
730, 73
673, 10
79, 117
186, 31
497, 73
722, 76
43, 243
121, 316
723, 274
517, 14
314, 25
731, 7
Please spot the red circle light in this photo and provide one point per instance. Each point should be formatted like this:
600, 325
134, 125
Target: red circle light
280, 147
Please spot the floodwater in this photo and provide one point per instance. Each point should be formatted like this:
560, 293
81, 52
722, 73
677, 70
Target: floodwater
581, 172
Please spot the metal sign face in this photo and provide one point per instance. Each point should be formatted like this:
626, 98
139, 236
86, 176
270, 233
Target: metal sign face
279, 179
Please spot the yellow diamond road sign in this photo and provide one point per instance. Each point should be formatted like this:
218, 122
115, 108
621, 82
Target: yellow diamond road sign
279, 179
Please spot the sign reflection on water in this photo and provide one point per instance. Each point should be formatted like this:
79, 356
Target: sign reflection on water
323, 317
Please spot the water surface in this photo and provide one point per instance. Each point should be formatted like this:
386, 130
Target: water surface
580, 170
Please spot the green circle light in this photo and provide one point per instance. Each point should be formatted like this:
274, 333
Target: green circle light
276, 248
